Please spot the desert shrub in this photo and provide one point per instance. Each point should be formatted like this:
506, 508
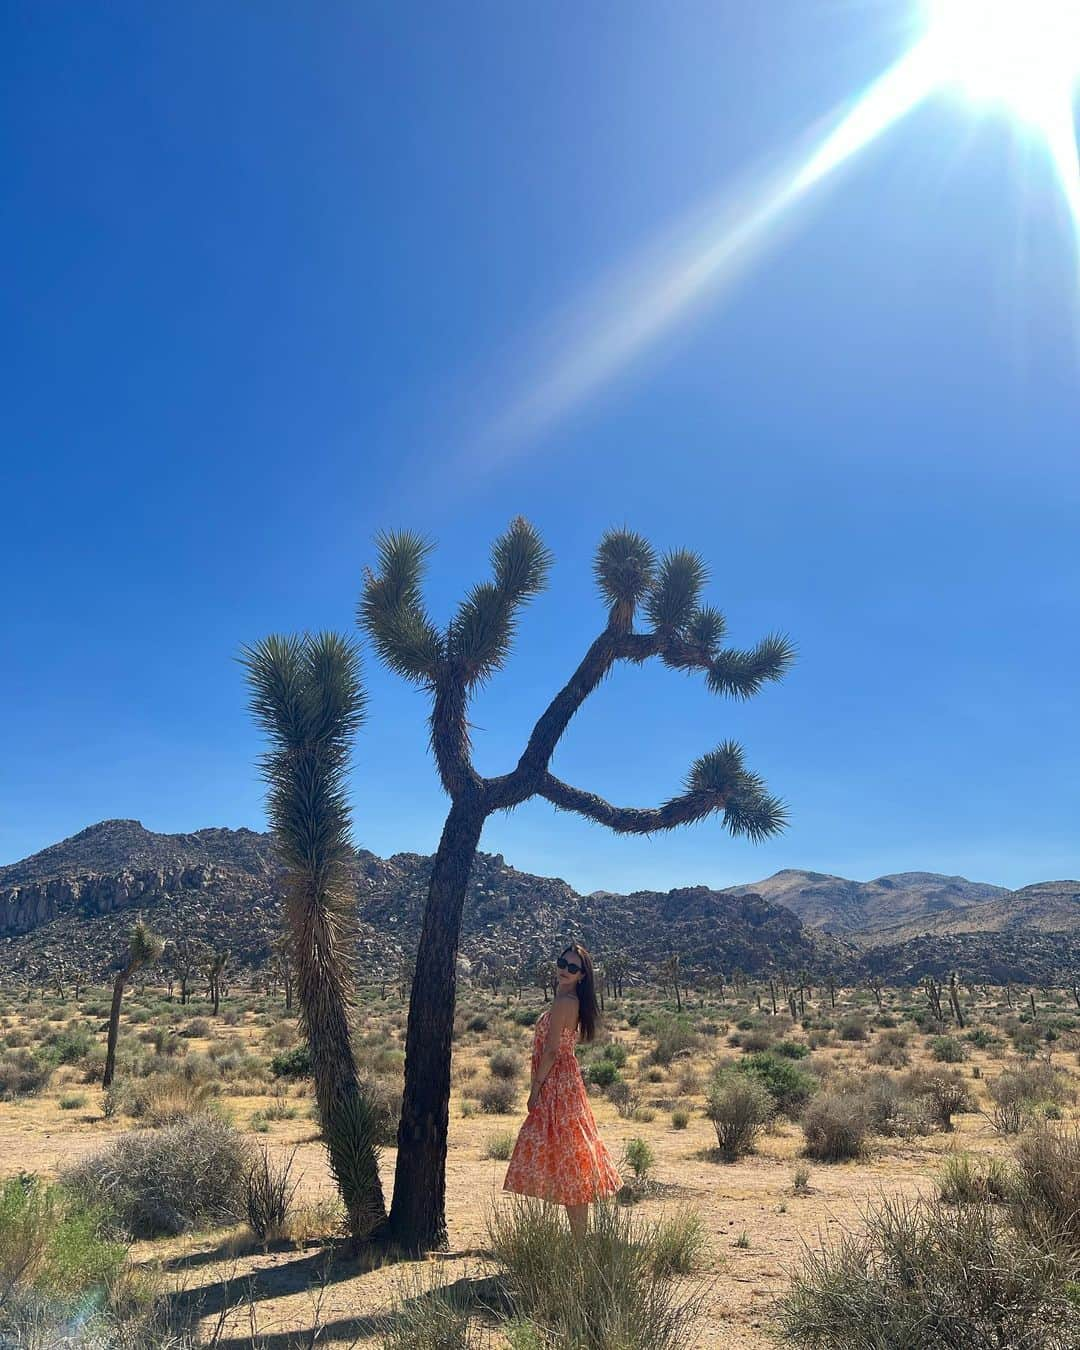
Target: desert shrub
980, 1038
944, 1092
889, 1051
478, 1022
525, 1017
499, 1146
680, 1118
504, 1064
602, 1073
625, 1100
71, 1045
498, 1097
614, 1051
1046, 1194
791, 1049
818, 1038
428, 1314
687, 1080
294, 1063
281, 1035
800, 1179
613, 1291
738, 1105
53, 1241
948, 1050
1031, 1084
789, 1087
968, 1180
835, 1126
23, 1074
752, 1041
270, 1192
853, 1028
164, 1182
198, 1029
72, 1101
655, 1074
673, 1036
158, 1099
933, 1276
639, 1157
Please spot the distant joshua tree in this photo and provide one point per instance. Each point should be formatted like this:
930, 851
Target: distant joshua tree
144, 948
450, 664
307, 696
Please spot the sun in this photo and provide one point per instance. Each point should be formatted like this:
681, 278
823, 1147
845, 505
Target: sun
1023, 53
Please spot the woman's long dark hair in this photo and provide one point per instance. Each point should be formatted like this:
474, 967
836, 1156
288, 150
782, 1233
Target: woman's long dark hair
588, 1008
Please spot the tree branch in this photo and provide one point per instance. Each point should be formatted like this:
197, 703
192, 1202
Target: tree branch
682, 810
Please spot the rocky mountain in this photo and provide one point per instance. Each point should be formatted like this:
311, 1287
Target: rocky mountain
74, 902
904, 902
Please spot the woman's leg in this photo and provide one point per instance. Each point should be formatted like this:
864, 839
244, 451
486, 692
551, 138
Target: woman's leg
579, 1219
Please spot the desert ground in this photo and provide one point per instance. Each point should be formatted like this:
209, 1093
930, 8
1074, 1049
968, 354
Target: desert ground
753, 1216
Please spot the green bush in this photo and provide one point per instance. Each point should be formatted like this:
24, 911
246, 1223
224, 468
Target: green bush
789, 1087
52, 1241
967, 1180
602, 1073
294, 1063
948, 1050
791, 1049
739, 1105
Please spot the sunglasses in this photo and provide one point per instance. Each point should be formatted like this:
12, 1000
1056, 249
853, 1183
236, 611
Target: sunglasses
568, 966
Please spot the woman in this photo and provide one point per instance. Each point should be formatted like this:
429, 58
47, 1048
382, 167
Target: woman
558, 1155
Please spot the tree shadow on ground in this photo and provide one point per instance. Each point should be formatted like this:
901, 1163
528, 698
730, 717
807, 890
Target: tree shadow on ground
224, 1301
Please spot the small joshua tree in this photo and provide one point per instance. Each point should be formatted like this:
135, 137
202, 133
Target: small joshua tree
306, 694
144, 948
450, 664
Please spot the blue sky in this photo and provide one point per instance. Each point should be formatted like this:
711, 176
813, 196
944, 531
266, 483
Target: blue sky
283, 275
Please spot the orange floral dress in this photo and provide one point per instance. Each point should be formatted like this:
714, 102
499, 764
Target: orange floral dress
558, 1155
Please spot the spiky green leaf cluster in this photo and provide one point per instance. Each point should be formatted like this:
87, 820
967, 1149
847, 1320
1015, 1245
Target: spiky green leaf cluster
748, 809
672, 602
352, 1138
742, 674
144, 946
392, 611
624, 567
307, 696
480, 635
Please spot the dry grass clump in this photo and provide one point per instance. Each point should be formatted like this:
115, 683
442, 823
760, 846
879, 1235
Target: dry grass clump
835, 1126
933, 1276
613, 1291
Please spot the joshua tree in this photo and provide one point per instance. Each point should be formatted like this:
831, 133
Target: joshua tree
450, 664
215, 959
306, 694
144, 948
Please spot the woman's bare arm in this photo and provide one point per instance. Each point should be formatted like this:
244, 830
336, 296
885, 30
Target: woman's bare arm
564, 1013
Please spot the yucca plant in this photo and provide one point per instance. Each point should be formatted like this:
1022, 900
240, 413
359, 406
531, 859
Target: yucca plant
450, 664
144, 948
307, 695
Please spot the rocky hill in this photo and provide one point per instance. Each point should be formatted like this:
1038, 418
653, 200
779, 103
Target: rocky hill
903, 902
74, 902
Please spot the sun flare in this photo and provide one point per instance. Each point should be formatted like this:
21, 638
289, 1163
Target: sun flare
1024, 53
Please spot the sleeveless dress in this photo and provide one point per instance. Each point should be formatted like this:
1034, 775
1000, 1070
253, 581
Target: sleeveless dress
558, 1155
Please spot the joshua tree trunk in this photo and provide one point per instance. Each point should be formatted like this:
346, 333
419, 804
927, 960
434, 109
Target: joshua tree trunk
449, 664
114, 1027
417, 1216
